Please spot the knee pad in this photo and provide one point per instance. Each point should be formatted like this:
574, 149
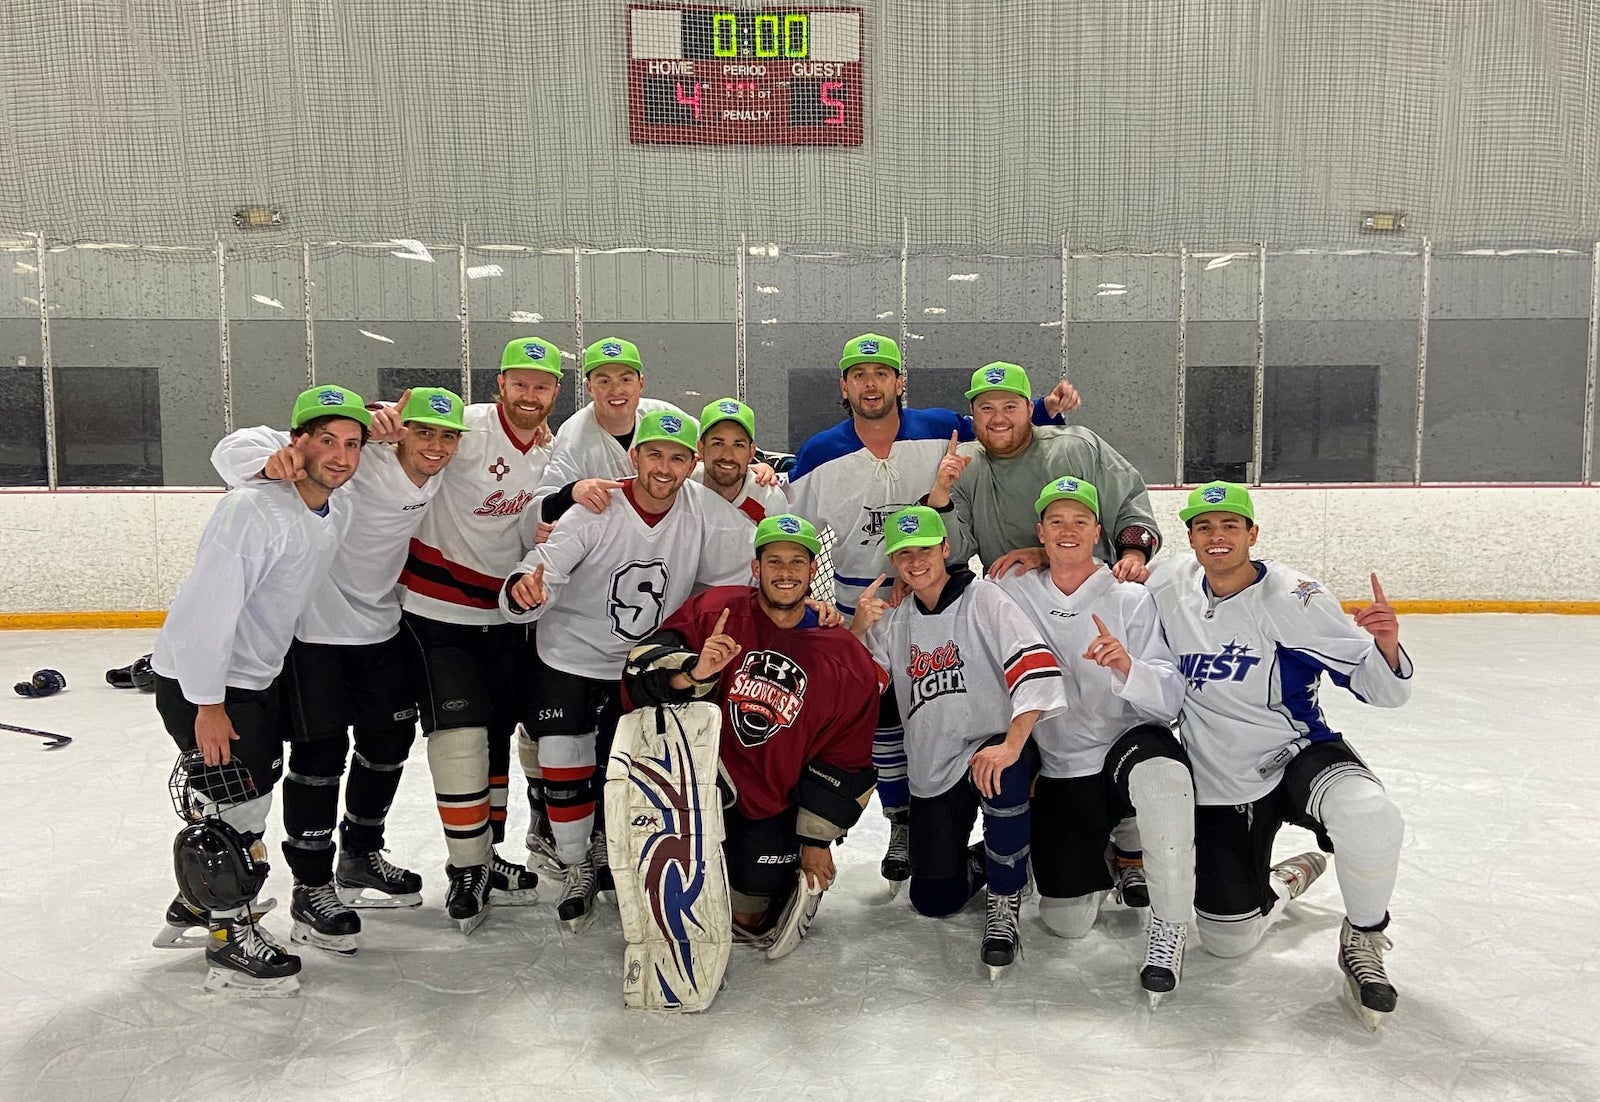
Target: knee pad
317, 758
459, 760
1072, 917
1161, 783
384, 749
937, 898
1230, 939
1361, 820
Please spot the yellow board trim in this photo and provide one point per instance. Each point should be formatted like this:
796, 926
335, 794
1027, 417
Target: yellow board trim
89, 621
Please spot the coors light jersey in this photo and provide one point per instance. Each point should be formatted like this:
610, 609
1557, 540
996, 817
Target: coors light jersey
790, 696
470, 538
961, 673
1101, 703
612, 577
1252, 663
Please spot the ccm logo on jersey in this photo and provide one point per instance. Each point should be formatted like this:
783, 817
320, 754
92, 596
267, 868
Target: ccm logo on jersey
1233, 663
935, 673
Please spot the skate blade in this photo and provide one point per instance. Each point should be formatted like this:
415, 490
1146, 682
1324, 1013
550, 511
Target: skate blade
226, 981
1153, 998
523, 897
1367, 1016
343, 944
995, 972
467, 925
895, 888
356, 897
182, 937
577, 926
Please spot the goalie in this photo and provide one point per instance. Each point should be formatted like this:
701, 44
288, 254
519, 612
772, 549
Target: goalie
799, 703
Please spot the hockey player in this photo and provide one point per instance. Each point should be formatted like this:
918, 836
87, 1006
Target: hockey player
349, 667
1253, 639
852, 476
599, 585
798, 702
1112, 754
985, 490
261, 559
469, 660
975, 677
727, 455
989, 510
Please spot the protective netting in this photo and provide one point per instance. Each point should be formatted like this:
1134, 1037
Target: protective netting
1116, 125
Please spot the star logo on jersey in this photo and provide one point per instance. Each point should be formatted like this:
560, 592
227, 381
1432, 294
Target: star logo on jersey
934, 673
637, 599
765, 696
1232, 663
1305, 590
499, 468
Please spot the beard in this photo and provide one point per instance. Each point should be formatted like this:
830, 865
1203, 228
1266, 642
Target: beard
779, 603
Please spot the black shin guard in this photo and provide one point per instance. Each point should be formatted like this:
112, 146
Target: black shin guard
311, 807
375, 767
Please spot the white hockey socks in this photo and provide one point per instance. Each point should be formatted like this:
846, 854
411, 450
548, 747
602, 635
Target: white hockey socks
458, 758
1162, 793
567, 762
1366, 830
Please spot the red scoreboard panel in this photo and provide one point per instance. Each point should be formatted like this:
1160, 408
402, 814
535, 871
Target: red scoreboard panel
744, 76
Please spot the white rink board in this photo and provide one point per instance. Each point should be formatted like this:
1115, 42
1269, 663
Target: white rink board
1494, 764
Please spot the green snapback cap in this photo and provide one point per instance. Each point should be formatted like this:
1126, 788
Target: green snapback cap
728, 409
1219, 497
788, 528
534, 353
913, 526
612, 350
666, 424
870, 348
434, 405
329, 401
1000, 376
1068, 489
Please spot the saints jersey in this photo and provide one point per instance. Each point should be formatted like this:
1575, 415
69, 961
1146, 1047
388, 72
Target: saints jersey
838, 483
1252, 663
791, 696
961, 672
1102, 704
358, 602
613, 576
470, 539
262, 556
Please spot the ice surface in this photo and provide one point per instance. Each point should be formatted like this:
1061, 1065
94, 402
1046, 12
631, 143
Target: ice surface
1496, 927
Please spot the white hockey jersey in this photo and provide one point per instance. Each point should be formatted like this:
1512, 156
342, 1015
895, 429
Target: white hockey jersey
470, 536
262, 556
1252, 663
1101, 704
755, 501
359, 601
614, 576
961, 673
582, 449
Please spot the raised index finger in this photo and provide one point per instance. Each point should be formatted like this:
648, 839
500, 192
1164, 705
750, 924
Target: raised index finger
722, 622
872, 590
955, 438
405, 396
1377, 590
1100, 625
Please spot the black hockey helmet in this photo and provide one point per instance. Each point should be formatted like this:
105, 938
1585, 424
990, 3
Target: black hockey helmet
138, 675
214, 868
201, 791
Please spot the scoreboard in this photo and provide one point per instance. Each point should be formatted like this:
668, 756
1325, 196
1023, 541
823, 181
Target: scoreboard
744, 76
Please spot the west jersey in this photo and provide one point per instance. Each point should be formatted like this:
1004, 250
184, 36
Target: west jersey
613, 576
470, 539
358, 602
1101, 704
582, 449
755, 501
791, 696
993, 499
962, 671
837, 482
1252, 663
261, 557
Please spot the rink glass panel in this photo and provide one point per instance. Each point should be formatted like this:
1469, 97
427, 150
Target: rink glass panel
22, 453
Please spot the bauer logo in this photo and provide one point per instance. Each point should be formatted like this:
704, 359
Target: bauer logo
868, 348
533, 351
789, 525
909, 525
671, 425
440, 405
995, 375
331, 398
1213, 494
611, 348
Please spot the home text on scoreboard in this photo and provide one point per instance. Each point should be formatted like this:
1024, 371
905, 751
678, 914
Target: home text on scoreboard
744, 76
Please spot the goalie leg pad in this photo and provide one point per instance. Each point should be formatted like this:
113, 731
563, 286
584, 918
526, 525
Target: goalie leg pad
795, 921
664, 837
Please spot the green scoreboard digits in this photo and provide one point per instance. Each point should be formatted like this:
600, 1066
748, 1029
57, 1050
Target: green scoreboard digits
744, 76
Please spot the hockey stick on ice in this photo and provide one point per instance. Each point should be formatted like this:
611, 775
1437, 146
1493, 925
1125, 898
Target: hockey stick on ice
53, 740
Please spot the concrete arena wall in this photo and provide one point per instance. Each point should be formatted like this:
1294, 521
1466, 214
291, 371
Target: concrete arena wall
88, 552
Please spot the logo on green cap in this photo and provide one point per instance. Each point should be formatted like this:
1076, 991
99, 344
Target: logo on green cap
440, 405
789, 525
671, 424
533, 351
867, 348
995, 375
730, 408
1214, 494
331, 398
613, 349
910, 524
1067, 485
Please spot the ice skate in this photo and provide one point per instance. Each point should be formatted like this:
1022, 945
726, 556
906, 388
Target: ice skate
542, 845
511, 885
241, 961
576, 908
368, 880
188, 927
1299, 872
320, 919
1128, 874
1163, 959
896, 866
1002, 935
1366, 985
600, 858
467, 899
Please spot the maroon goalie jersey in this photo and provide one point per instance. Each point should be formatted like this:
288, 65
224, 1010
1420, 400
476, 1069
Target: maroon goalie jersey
790, 696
